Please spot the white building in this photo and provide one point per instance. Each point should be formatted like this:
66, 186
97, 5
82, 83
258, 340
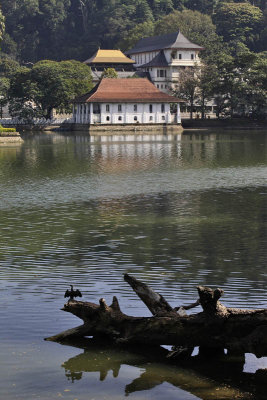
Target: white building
115, 59
125, 102
163, 57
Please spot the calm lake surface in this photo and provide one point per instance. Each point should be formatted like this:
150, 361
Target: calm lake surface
175, 211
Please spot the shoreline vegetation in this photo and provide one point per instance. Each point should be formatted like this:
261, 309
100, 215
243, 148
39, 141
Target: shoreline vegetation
9, 135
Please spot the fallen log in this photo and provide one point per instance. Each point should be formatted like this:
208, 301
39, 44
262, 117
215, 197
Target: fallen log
215, 328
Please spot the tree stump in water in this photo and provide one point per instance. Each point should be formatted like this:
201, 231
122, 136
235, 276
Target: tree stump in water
215, 328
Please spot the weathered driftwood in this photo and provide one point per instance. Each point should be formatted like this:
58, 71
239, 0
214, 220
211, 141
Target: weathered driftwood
215, 328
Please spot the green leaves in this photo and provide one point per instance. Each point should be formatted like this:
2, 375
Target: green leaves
109, 73
239, 22
48, 85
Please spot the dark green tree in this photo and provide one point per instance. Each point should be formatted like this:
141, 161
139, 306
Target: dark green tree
195, 26
241, 22
46, 86
140, 31
186, 87
204, 6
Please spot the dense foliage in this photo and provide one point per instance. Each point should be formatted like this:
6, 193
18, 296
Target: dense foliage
74, 29
37, 91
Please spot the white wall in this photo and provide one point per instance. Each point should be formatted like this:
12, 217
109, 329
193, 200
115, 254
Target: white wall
127, 115
143, 58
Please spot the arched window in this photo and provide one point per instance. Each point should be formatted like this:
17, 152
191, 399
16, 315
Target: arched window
107, 118
150, 118
119, 118
135, 118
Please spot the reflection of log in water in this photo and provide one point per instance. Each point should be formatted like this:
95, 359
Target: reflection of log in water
210, 380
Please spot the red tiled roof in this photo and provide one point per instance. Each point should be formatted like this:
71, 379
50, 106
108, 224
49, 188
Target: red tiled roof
136, 90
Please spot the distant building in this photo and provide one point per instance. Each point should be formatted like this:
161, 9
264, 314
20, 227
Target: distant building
125, 102
104, 59
163, 57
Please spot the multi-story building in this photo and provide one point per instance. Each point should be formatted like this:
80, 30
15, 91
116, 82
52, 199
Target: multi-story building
163, 57
115, 59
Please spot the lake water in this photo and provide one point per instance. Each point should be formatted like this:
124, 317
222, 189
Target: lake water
174, 211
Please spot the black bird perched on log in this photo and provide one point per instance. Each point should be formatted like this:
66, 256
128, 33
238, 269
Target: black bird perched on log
72, 293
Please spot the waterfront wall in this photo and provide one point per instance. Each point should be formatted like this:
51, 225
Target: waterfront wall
233, 123
135, 128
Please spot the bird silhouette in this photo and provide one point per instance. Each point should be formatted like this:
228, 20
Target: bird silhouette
72, 293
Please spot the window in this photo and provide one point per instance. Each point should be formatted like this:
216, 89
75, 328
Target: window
135, 118
161, 73
180, 56
120, 119
135, 107
96, 108
107, 119
150, 108
162, 108
150, 118
158, 86
192, 57
161, 86
163, 118
119, 107
107, 107
174, 54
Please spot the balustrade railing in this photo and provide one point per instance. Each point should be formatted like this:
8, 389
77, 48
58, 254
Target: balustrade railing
37, 121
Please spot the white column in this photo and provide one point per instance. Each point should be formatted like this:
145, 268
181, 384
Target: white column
82, 114
91, 113
87, 112
78, 113
73, 113
168, 114
157, 113
126, 111
178, 114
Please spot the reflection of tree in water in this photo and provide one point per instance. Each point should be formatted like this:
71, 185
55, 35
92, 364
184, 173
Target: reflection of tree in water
221, 378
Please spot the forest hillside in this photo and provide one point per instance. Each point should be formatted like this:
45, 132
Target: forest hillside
74, 29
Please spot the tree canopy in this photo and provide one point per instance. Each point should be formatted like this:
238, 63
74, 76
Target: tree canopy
74, 29
49, 84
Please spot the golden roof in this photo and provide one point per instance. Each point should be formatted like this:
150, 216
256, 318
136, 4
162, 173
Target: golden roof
109, 56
